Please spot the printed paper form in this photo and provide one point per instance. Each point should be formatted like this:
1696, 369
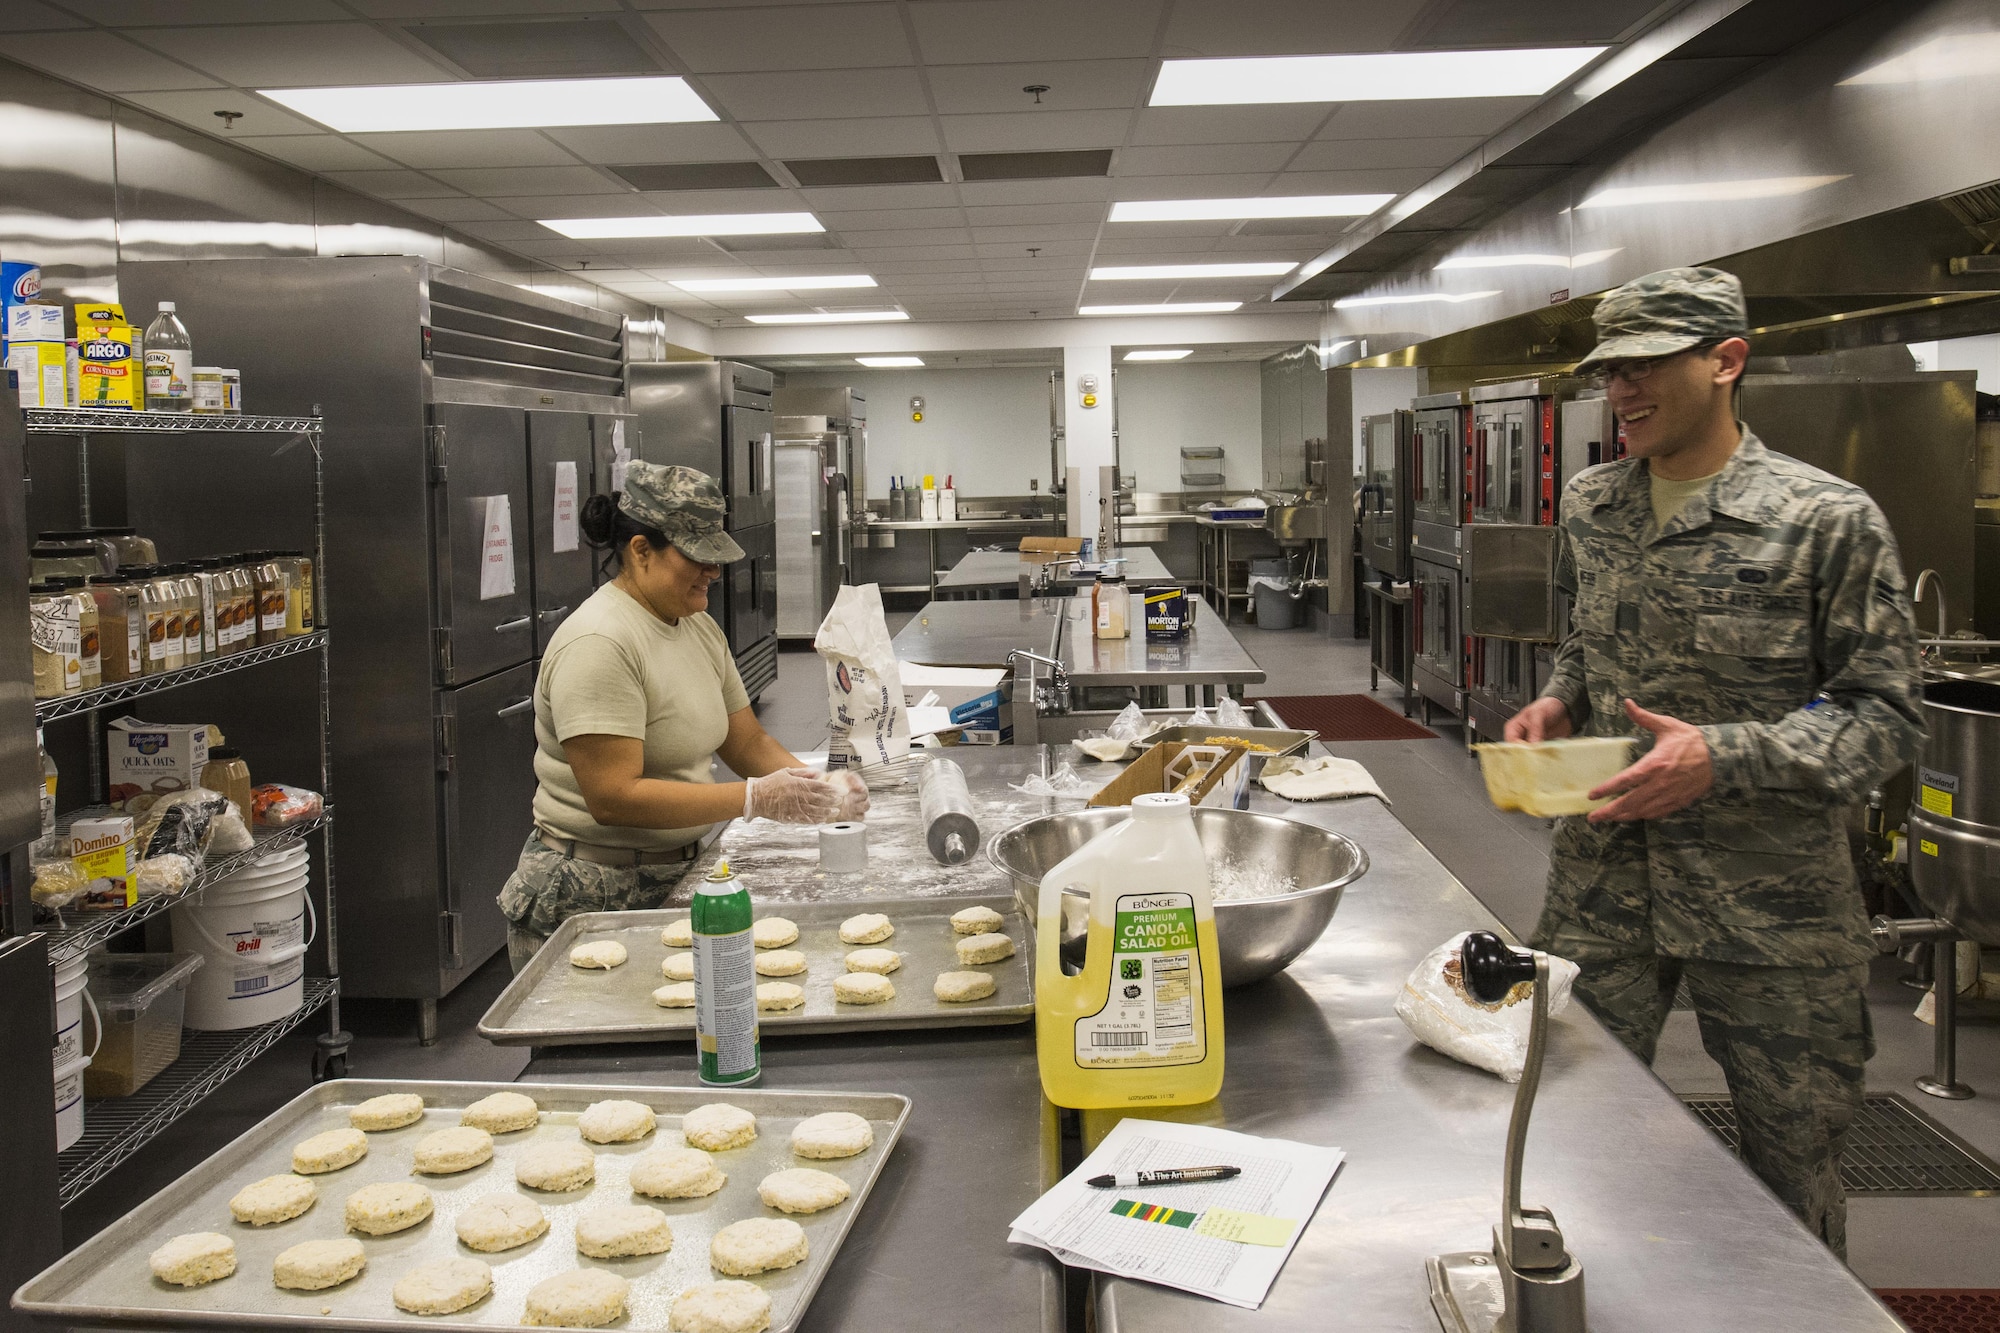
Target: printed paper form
1281, 1179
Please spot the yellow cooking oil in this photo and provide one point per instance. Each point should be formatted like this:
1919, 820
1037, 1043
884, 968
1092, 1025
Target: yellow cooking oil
1141, 1025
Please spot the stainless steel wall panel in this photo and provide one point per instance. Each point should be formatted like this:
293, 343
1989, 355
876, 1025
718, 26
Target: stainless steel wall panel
179, 199
58, 177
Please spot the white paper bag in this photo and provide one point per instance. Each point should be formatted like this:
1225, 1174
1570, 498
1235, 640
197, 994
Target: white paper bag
1435, 1005
864, 689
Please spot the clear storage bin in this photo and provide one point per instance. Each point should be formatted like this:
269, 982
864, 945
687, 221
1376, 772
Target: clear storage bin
140, 999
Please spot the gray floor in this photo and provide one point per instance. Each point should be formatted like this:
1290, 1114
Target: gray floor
1433, 787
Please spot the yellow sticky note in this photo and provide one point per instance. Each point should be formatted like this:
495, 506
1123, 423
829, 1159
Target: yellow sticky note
1245, 1228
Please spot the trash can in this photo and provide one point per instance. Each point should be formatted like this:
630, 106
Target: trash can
1278, 607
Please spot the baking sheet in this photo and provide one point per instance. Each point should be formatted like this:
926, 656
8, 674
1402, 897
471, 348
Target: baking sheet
554, 1004
106, 1280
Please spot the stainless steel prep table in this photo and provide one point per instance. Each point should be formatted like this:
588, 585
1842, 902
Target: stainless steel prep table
1213, 534
932, 529
982, 575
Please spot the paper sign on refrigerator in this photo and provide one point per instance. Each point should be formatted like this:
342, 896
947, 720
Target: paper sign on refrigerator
565, 521
496, 550
621, 457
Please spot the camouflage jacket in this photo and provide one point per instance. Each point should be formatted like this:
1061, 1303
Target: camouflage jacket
1771, 613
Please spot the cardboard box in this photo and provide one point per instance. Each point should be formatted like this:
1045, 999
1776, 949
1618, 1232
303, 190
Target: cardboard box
97, 314
1053, 545
1151, 772
41, 369
986, 720
104, 850
109, 373
147, 760
34, 322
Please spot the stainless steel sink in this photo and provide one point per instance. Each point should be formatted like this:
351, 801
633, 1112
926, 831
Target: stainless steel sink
1296, 523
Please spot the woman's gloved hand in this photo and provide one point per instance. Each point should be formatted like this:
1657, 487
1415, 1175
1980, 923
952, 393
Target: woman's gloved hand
853, 793
791, 796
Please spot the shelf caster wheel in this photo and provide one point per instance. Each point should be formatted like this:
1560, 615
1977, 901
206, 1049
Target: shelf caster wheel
330, 1056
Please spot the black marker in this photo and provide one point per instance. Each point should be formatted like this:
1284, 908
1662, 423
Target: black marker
1185, 1176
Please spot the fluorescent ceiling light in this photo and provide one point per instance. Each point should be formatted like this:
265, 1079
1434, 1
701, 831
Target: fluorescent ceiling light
775, 284
684, 224
515, 104
1528, 261
1131, 272
890, 362
1449, 298
1387, 77
1162, 308
1278, 206
832, 317
1960, 56
1706, 192
1159, 354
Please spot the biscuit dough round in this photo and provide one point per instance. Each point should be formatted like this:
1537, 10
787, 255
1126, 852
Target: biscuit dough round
718, 1126
962, 987
721, 1307
605, 954
498, 1222
392, 1110
757, 1245
580, 1298
443, 1286
775, 997
674, 995
773, 932
832, 1134
502, 1113
781, 963
868, 928
863, 988
385, 1209
557, 1167
801, 1189
676, 1173
883, 961
315, 1265
679, 934
622, 1230
677, 967
195, 1259
273, 1199
459, 1148
329, 1151
976, 949
616, 1121
976, 921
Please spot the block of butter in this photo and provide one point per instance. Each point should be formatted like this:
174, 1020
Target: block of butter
104, 851
1552, 778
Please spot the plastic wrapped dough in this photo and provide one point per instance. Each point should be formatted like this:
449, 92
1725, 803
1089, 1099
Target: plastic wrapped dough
181, 824
1435, 1005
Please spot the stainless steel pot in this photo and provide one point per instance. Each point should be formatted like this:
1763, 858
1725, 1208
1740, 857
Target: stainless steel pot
1955, 816
1259, 936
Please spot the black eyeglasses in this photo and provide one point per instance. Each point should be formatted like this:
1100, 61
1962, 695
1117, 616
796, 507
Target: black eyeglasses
1640, 367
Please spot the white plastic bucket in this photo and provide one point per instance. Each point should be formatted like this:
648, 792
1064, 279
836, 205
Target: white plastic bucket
253, 938
69, 1102
71, 997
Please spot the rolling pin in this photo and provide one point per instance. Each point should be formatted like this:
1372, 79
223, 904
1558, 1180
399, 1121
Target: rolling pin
946, 807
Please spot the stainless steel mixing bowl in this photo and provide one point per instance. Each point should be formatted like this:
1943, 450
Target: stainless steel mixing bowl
1259, 936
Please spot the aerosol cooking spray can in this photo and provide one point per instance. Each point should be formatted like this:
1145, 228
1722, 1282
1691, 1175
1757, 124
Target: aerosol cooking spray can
725, 982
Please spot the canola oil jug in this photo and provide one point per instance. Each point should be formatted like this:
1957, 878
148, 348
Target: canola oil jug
1141, 1025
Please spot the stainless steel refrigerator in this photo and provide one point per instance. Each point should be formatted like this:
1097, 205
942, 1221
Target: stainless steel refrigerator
715, 416
820, 446
466, 421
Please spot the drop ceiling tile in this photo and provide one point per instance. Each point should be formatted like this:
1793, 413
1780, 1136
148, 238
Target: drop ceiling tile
812, 94
1054, 250
291, 55
979, 32
1203, 159
531, 180
319, 152
104, 61
1303, 245
883, 196
178, 13
456, 210
476, 9
868, 136
1065, 190
197, 111
896, 265
1230, 124
1285, 27
627, 145
1073, 85
1376, 180
510, 230
1482, 116
392, 184
425, 149
804, 37
1014, 215
965, 251
34, 16
1022, 131
1192, 187
572, 206
1360, 154
890, 219
725, 201
1155, 249
1035, 235
875, 240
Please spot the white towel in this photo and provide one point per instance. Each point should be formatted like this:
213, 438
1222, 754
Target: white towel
1323, 778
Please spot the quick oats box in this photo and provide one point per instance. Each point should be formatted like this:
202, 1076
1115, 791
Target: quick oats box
147, 760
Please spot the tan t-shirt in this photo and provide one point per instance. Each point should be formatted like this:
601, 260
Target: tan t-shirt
616, 669
1670, 497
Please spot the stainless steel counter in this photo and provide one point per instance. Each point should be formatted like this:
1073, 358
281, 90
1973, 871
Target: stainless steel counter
982, 573
932, 529
979, 634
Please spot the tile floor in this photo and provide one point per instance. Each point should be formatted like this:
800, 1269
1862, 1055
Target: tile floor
1434, 788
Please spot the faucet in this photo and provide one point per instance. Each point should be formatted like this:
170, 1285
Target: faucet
1928, 578
1051, 700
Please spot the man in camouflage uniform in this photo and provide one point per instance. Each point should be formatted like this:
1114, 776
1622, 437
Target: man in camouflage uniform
1745, 613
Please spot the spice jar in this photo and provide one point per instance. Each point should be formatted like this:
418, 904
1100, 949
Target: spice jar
121, 626
298, 569
208, 582
130, 547
235, 601
273, 596
153, 653
53, 637
173, 612
51, 559
226, 772
194, 625
90, 667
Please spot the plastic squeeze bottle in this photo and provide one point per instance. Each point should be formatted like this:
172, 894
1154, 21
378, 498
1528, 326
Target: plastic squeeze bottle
1141, 1026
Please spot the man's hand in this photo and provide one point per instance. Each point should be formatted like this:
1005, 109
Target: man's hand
1672, 776
1543, 720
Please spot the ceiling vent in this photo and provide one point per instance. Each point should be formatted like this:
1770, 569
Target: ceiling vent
567, 48
864, 170
1035, 166
698, 176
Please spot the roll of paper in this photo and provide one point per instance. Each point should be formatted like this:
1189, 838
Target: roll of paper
843, 848
950, 829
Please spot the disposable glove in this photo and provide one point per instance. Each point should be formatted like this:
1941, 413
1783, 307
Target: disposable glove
790, 796
853, 793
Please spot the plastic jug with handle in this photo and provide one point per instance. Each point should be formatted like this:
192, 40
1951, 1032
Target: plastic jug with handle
1141, 1026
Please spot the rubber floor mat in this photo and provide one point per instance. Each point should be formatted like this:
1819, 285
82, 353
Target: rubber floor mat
1346, 717
1945, 1310
1894, 1150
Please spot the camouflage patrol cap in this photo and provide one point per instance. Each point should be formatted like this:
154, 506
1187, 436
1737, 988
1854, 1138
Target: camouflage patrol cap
1667, 312
682, 505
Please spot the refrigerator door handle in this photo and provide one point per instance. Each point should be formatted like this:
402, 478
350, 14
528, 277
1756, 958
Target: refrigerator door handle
518, 707
520, 622
554, 613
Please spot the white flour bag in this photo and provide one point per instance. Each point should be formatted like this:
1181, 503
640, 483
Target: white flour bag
864, 688
1435, 1005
